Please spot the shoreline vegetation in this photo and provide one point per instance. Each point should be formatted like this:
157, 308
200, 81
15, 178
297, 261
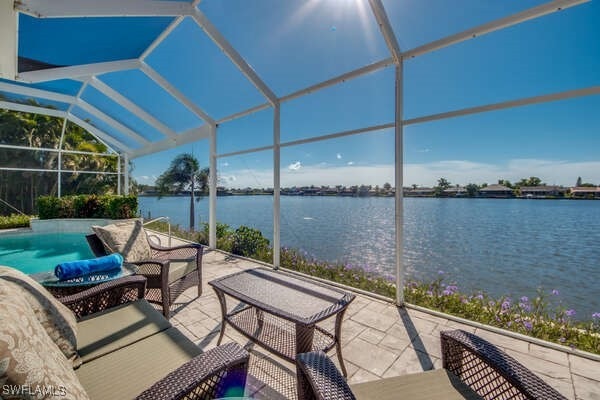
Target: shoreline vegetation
543, 317
526, 188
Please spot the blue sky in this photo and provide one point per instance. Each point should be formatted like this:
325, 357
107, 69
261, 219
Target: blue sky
293, 44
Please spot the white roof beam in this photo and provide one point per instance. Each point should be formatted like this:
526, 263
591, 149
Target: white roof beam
507, 104
233, 55
338, 79
111, 121
78, 71
386, 29
103, 8
162, 82
189, 136
131, 107
535, 12
32, 109
314, 88
163, 35
108, 140
38, 93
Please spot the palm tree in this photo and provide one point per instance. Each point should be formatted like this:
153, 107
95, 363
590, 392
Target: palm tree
183, 172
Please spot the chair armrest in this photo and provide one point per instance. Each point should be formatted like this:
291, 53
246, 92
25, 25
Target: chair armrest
319, 378
153, 267
216, 373
470, 358
186, 251
105, 295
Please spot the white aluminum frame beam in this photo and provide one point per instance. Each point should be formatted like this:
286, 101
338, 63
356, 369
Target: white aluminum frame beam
38, 93
10, 146
173, 91
78, 71
189, 136
535, 12
589, 91
235, 57
53, 170
212, 189
103, 8
131, 107
160, 38
130, 133
32, 109
276, 185
386, 29
110, 141
399, 182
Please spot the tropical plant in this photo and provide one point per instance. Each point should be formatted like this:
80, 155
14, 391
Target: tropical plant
183, 173
21, 188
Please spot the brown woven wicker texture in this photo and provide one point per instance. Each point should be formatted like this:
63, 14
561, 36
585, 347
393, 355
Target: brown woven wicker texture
217, 373
105, 295
482, 366
282, 311
156, 270
489, 371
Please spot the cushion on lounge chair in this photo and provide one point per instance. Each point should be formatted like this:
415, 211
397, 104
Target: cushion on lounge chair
179, 269
31, 365
431, 385
126, 237
60, 323
134, 368
117, 327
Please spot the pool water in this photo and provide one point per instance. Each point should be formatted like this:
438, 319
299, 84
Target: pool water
35, 252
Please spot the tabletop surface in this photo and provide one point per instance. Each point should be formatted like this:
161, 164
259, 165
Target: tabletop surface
284, 294
49, 279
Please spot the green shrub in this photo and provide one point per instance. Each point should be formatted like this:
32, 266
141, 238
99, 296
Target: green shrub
87, 206
14, 221
248, 241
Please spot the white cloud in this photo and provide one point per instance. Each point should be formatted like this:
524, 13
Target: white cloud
225, 164
423, 174
423, 150
295, 166
338, 156
350, 162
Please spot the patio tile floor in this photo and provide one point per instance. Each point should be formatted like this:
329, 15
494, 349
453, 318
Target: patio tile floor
379, 340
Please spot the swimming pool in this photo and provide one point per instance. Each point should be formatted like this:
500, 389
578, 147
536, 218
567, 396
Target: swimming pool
40, 252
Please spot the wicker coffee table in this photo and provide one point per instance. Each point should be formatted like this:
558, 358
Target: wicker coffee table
281, 312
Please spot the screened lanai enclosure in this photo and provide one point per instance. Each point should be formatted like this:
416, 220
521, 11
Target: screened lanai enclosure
145, 76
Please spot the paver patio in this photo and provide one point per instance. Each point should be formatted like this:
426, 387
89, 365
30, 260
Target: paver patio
378, 339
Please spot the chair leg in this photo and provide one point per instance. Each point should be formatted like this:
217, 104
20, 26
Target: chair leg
166, 300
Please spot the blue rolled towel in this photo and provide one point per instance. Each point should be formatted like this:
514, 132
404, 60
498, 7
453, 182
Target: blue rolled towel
75, 269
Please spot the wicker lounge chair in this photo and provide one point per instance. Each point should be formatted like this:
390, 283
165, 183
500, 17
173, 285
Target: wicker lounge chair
125, 348
473, 369
172, 270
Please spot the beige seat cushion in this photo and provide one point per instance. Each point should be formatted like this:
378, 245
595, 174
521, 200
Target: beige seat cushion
179, 269
29, 360
127, 238
117, 327
430, 385
58, 321
125, 373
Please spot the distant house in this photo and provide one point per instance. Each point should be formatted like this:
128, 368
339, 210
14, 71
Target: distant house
455, 192
543, 191
585, 192
496, 191
419, 192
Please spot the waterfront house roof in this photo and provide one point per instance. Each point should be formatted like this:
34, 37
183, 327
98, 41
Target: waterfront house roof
543, 188
495, 188
585, 189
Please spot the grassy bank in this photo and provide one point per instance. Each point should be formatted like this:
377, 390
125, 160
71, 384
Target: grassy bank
542, 317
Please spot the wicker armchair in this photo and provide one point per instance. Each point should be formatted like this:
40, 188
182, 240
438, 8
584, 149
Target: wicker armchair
473, 369
208, 375
172, 270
